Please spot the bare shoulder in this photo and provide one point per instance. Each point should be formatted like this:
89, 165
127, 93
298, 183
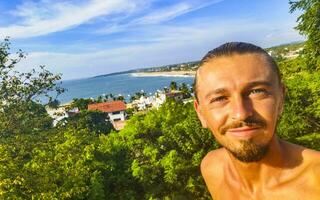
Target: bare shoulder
212, 165
213, 159
311, 155
310, 159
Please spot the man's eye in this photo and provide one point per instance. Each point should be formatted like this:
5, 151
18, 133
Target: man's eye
218, 99
259, 91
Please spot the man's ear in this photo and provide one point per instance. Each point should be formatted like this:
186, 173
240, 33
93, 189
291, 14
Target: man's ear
198, 110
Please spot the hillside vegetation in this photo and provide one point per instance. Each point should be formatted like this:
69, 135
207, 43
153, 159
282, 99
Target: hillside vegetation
156, 156
279, 53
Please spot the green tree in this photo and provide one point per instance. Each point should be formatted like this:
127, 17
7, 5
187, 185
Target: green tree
26, 117
16, 86
81, 104
65, 167
95, 121
309, 25
99, 99
165, 151
301, 116
185, 90
20, 110
120, 98
173, 85
137, 95
54, 104
115, 160
299, 122
39, 161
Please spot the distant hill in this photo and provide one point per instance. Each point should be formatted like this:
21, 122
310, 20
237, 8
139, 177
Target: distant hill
286, 51
286, 47
279, 52
115, 73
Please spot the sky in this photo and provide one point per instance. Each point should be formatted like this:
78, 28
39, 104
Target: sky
85, 38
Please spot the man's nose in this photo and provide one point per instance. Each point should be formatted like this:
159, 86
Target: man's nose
241, 109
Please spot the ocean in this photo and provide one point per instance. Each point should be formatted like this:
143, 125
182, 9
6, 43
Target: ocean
121, 84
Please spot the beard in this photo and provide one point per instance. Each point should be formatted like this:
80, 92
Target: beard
249, 151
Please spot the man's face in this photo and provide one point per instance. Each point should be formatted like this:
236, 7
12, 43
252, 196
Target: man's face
239, 100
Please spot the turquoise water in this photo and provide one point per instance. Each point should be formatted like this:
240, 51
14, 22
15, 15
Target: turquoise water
124, 84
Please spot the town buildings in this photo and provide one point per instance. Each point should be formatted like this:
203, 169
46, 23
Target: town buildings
117, 109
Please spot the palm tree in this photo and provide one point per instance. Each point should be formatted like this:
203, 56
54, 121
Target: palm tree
185, 90
173, 85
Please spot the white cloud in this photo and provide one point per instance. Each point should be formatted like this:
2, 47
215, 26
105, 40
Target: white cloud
163, 45
148, 43
157, 16
171, 12
164, 14
48, 16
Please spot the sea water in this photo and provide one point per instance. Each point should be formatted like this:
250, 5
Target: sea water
121, 84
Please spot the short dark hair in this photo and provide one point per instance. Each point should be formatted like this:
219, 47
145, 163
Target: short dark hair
231, 48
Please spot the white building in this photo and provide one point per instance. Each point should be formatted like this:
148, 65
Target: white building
115, 109
57, 114
151, 101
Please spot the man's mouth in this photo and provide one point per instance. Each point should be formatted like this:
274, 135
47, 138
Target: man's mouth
243, 132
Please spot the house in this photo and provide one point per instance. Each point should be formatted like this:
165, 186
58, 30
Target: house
154, 101
58, 114
159, 99
115, 110
73, 111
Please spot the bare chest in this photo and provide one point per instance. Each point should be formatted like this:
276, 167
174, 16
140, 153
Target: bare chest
303, 187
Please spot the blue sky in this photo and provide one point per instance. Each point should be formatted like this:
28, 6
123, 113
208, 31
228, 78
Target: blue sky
83, 38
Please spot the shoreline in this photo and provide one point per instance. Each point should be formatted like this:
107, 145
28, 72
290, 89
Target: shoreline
167, 74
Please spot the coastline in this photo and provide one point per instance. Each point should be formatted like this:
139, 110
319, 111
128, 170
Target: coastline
167, 74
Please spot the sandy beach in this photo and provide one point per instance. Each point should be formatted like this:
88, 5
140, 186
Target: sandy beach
171, 73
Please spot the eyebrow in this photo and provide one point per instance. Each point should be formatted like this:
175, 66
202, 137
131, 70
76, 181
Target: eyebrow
216, 91
249, 85
255, 83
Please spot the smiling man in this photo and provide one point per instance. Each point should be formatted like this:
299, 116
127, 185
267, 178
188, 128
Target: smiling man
239, 97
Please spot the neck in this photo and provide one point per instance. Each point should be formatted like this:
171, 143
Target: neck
254, 174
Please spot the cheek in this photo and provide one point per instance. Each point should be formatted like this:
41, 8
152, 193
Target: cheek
215, 119
268, 110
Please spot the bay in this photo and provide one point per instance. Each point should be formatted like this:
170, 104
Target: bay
124, 84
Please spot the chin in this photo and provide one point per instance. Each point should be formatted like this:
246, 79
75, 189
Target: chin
248, 151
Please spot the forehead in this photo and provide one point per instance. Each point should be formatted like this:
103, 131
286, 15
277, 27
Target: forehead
234, 71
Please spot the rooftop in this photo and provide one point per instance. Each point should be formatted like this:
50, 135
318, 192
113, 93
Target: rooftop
112, 106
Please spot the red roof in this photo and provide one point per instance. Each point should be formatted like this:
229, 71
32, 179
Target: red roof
112, 106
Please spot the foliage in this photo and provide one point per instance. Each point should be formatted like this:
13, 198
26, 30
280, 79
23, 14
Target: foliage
52, 165
137, 95
94, 121
54, 104
309, 25
115, 164
166, 150
301, 116
19, 112
16, 86
81, 104
157, 154
173, 85
185, 90
131, 111
24, 118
